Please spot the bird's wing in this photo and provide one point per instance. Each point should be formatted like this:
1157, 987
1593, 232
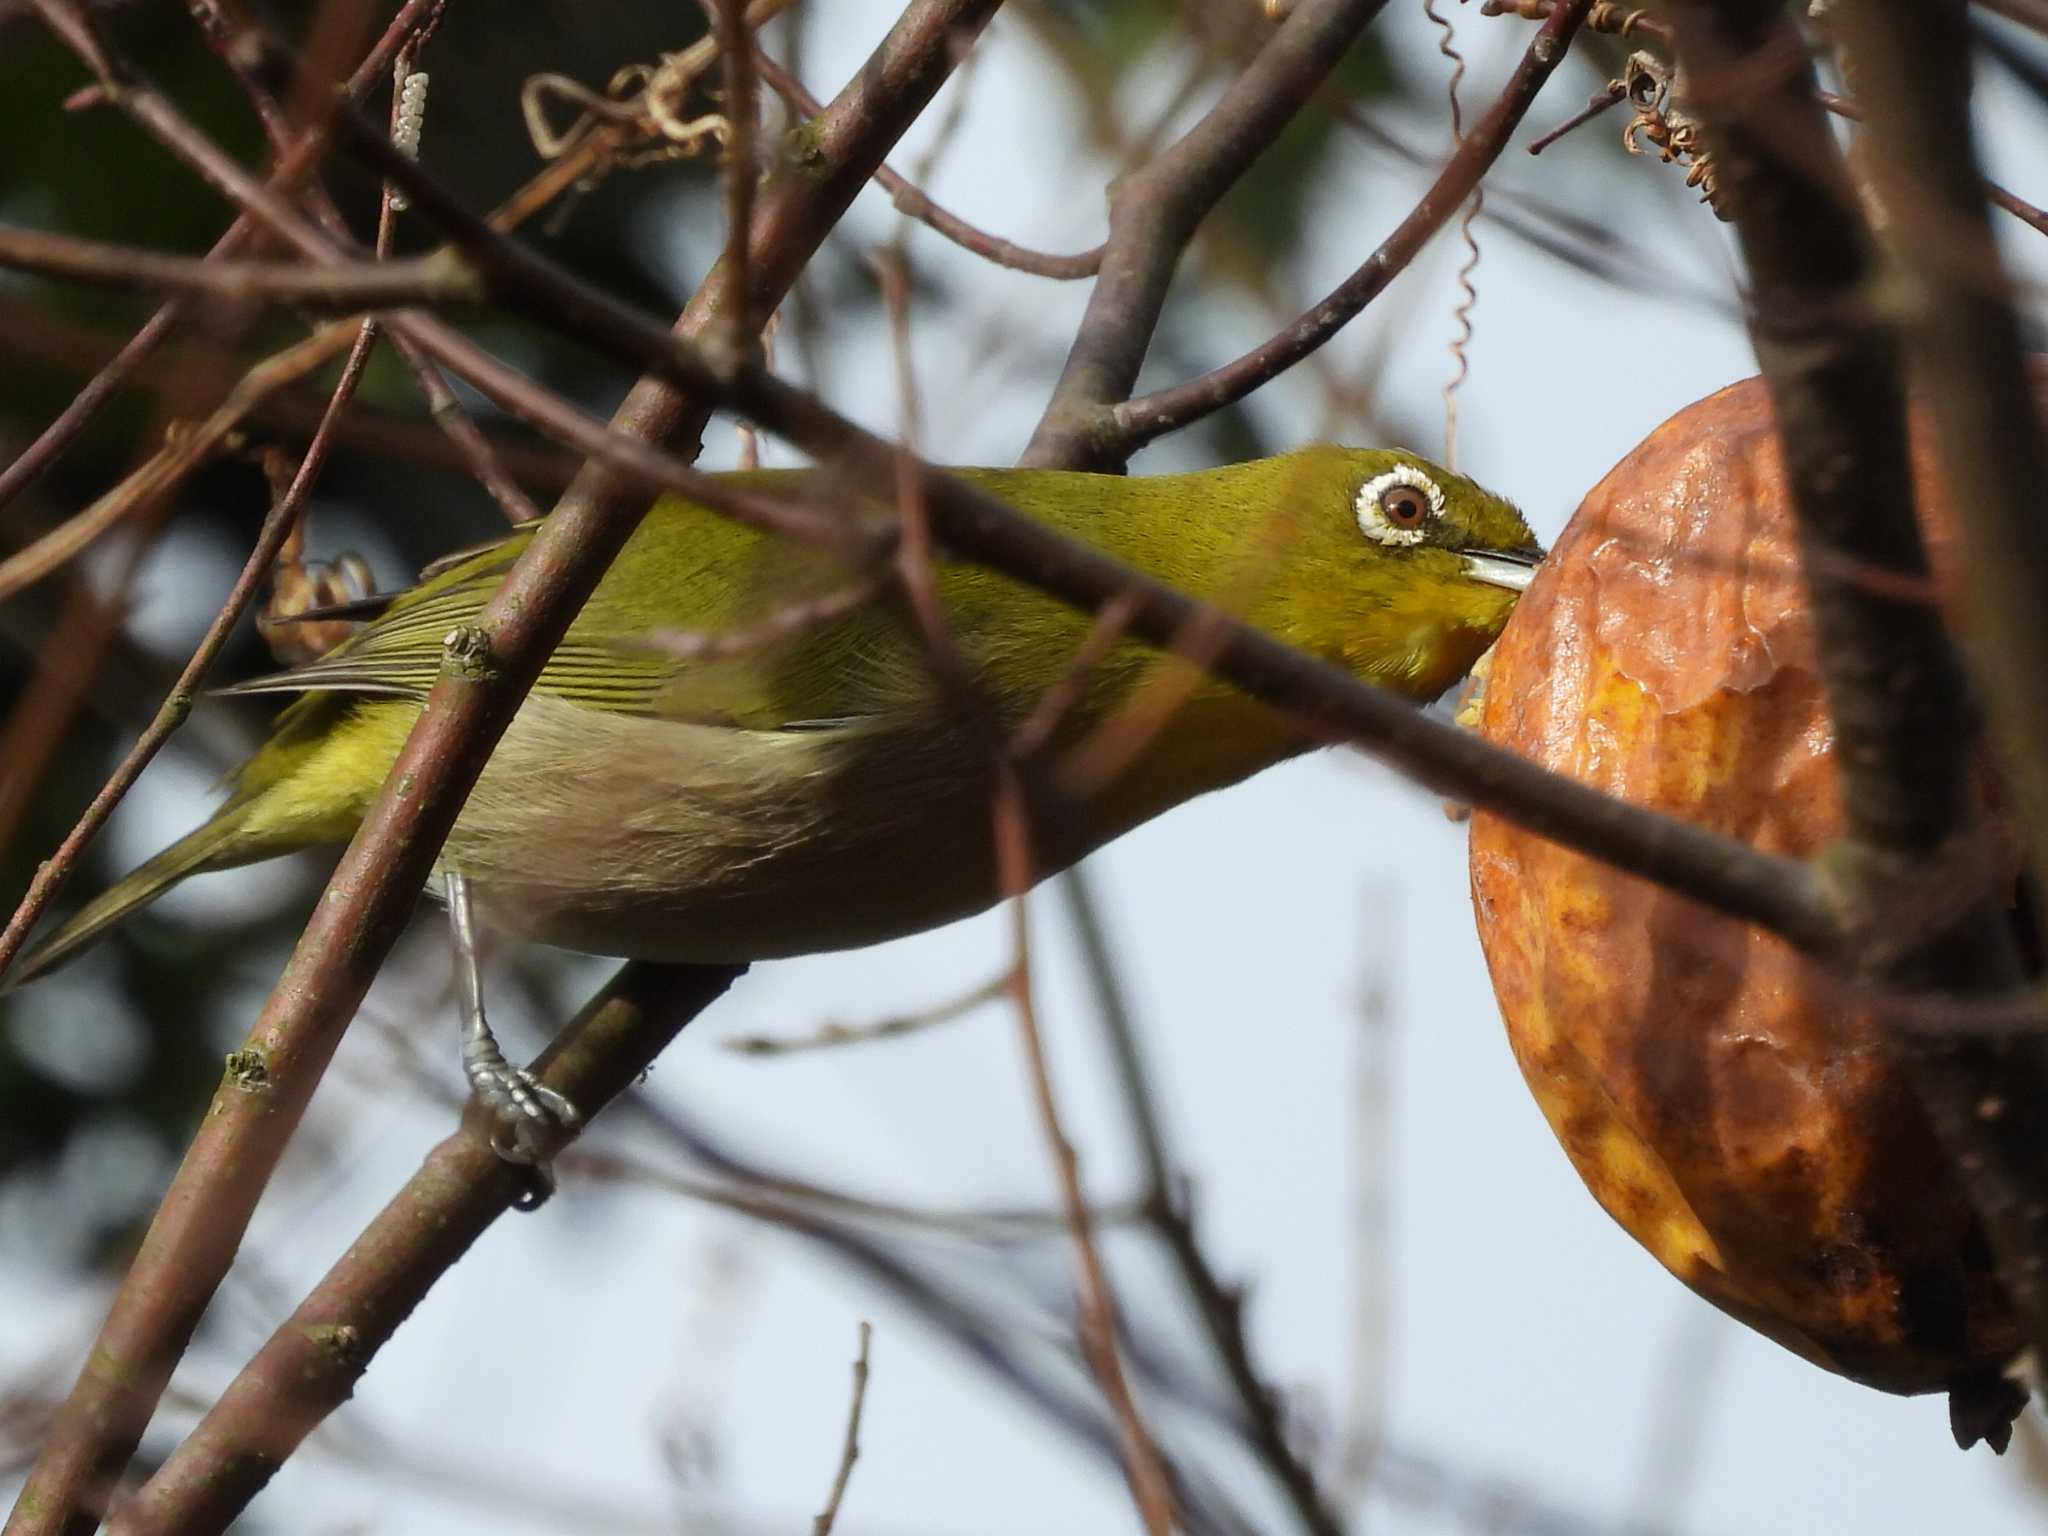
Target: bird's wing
686, 569
398, 653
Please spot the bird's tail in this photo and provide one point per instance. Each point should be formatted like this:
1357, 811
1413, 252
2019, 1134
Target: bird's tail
222, 843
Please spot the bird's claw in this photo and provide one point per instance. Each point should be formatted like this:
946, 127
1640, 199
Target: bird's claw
532, 1121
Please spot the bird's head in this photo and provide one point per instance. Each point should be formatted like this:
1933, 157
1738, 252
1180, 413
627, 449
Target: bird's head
1389, 565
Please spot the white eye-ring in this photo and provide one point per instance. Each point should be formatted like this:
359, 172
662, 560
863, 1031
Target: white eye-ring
1395, 508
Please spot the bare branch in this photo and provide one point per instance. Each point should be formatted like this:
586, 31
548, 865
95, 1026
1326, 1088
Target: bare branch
739, 335
831, 1036
439, 280
1139, 421
163, 471
312, 1362
1156, 209
821, 1525
291, 170
1915, 882
912, 201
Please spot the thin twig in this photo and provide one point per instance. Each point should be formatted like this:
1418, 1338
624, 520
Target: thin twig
1143, 1465
162, 472
291, 170
483, 460
277, 527
739, 335
831, 1036
1139, 421
441, 280
1613, 96
1218, 1305
1154, 212
1053, 706
912, 201
821, 1525
1144, 1469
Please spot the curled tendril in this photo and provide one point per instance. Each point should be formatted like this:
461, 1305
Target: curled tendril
1654, 90
642, 104
1462, 314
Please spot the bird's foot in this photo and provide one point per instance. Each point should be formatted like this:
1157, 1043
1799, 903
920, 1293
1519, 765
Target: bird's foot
532, 1119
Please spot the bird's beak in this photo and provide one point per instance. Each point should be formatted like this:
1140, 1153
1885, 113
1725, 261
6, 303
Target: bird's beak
1510, 568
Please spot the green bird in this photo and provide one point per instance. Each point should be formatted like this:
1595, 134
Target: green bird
817, 791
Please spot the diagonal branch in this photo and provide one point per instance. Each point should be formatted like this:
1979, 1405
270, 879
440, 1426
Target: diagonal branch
912, 201
314, 1359
291, 170
1155, 210
1912, 875
1136, 422
435, 281
1962, 335
489, 668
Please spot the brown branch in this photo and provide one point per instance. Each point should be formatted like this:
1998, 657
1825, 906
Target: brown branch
1962, 337
1220, 1308
1070, 687
161, 473
1912, 876
1137, 422
489, 667
917, 557
278, 525
1154, 212
440, 280
832, 1034
912, 201
292, 169
740, 333
821, 1524
311, 1364
476, 450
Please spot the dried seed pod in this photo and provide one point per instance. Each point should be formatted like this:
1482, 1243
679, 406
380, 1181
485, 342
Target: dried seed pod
1736, 1111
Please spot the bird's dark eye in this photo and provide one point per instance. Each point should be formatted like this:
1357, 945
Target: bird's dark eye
1405, 506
